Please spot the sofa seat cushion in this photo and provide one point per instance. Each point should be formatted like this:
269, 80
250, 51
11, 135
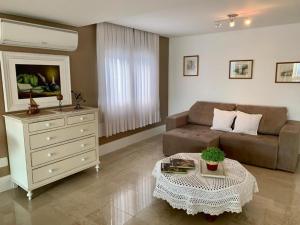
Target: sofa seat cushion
202, 113
272, 120
260, 150
189, 138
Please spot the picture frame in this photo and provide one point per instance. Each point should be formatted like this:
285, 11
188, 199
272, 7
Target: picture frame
41, 75
191, 65
241, 69
287, 72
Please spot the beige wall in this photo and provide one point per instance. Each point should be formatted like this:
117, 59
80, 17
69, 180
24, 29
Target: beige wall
163, 76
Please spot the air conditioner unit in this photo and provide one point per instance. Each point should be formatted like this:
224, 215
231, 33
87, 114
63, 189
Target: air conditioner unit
30, 35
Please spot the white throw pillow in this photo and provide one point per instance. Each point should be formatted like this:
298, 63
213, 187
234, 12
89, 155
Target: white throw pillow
246, 123
223, 120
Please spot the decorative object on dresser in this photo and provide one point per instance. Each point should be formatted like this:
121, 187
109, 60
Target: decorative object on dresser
59, 98
191, 65
51, 145
33, 106
78, 99
287, 72
240, 69
45, 75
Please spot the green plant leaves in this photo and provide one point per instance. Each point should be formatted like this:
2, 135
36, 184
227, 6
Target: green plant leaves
213, 154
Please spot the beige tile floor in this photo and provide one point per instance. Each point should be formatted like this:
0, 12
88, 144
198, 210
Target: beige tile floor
122, 194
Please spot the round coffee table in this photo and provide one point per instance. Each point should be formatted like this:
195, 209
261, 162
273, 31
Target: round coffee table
194, 193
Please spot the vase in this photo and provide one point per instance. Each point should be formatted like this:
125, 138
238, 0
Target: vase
213, 166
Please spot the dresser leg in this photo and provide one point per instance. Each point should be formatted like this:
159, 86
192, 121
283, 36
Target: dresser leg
97, 167
29, 195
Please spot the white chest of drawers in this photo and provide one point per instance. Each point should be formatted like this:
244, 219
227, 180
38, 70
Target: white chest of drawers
51, 145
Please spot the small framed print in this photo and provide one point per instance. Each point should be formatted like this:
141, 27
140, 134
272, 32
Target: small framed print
287, 72
240, 69
191, 65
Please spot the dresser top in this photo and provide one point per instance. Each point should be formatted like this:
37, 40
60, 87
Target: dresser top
50, 113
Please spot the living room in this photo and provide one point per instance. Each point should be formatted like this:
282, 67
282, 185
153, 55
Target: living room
160, 112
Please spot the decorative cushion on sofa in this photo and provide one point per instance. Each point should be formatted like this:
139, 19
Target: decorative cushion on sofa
260, 150
202, 113
223, 120
273, 117
189, 138
246, 123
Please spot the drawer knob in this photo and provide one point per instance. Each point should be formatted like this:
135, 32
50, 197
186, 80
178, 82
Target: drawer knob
50, 154
48, 124
83, 159
83, 145
82, 130
50, 171
82, 118
48, 138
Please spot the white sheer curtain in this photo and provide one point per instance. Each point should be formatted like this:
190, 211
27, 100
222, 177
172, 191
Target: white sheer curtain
128, 77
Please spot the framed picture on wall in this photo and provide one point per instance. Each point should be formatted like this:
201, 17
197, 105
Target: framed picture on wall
287, 72
191, 65
38, 75
240, 69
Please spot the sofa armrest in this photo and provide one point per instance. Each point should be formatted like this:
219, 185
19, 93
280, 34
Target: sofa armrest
289, 146
177, 120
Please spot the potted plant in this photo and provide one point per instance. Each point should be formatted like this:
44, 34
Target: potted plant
212, 157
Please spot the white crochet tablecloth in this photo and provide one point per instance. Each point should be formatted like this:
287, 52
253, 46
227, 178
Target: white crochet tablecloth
195, 193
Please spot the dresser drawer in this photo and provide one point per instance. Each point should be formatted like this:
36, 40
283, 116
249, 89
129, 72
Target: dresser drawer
44, 125
63, 166
81, 118
52, 137
61, 151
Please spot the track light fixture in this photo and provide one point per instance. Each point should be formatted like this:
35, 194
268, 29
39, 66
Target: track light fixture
247, 21
218, 24
231, 18
231, 21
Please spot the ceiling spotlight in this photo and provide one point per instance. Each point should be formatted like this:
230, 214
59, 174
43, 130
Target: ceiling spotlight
247, 21
231, 19
218, 24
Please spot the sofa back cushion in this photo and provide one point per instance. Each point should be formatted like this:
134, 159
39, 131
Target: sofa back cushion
202, 113
273, 118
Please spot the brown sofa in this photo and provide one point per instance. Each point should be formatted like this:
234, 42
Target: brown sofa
276, 146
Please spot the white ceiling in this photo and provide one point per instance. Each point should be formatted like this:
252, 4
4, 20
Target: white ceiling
165, 17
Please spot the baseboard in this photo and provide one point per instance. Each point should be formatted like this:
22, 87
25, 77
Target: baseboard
5, 183
123, 142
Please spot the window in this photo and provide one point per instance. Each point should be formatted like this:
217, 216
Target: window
128, 77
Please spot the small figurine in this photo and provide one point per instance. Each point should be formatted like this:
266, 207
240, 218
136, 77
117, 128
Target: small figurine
60, 97
78, 99
33, 106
